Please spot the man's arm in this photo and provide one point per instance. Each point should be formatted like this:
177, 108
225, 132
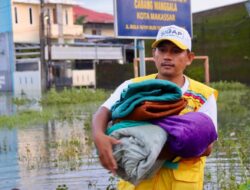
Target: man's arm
210, 109
100, 121
103, 142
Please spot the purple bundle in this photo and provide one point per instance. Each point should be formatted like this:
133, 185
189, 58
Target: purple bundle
189, 134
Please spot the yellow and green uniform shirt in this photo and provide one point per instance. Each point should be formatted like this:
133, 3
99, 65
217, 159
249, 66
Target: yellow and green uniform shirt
189, 174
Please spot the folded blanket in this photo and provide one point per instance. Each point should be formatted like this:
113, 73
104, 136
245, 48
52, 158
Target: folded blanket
137, 154
149, 90
188, 135
152, 110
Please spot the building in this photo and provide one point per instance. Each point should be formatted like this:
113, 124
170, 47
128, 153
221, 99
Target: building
41, 46
99, 27
26, 20
94, 23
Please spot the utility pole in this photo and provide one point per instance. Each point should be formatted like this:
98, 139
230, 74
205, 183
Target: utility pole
44, 68
141, 45
49, 63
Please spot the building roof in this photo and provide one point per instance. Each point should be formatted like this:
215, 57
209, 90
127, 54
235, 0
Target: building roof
64, 2
92, 16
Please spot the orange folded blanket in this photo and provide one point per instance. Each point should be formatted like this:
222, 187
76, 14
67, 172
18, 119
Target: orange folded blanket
148, 110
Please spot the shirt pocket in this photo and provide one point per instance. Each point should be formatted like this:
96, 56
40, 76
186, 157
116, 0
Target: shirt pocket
190, 170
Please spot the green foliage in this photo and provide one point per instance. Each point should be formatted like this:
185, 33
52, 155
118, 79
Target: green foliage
112, 183
234, 129
80, 20
73, 96
196, 70
224, 35
78, 102
68, 153
25, 118
20, 101
62, 187
225, 86
245, 186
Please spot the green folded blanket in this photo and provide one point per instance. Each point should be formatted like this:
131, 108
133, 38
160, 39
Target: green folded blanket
149, 90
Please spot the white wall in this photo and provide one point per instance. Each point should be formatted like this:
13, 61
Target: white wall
28, 82
83, 78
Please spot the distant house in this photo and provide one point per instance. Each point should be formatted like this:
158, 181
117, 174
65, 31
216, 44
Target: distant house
99, 27
26, 21
67, 62
94, 23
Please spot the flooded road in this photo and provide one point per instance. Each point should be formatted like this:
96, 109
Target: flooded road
49, 156
60, 154
46, 156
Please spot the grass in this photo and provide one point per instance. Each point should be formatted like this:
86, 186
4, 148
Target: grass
232, 148
64, 105
68, 153
25, 118
73, 96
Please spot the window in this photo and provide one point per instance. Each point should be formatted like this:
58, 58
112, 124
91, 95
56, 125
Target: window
66, 17
96, 31
27, 66
54, 16
16, 19
30, 12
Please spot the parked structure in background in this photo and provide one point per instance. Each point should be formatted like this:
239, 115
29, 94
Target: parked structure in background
69, 59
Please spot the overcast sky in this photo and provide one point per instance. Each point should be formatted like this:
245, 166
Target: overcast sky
197, 5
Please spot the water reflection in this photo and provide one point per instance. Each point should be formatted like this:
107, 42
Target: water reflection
46, 156
59, 152
9, 168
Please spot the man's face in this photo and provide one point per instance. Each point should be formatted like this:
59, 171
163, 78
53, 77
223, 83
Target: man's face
170, 60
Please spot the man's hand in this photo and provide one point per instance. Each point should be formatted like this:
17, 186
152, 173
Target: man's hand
103, 142
104, 145
167, 154
208, 150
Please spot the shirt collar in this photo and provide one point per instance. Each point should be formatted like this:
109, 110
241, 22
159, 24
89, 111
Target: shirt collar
184, 88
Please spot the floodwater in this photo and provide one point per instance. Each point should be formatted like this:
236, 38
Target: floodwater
48, 156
